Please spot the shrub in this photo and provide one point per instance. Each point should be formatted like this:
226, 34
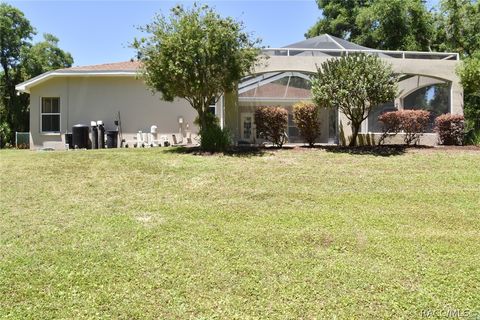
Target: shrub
450, 129
305, 115
214, 139
391, 124
413, 123
472, 137
5, 134
271, 124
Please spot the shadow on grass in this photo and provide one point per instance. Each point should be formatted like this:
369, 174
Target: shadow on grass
258, 151
243, 151
380, 151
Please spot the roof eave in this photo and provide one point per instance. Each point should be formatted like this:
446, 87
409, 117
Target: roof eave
26, 85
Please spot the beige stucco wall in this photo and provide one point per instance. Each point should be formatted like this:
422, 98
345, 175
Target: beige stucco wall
85, 99
444, 70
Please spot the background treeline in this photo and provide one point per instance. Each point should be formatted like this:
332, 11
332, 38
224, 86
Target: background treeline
21, 59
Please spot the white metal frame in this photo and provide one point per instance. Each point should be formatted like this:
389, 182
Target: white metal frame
262, 80
59, 114
401, 54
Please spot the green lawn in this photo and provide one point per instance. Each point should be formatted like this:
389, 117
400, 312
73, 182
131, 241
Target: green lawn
288, 234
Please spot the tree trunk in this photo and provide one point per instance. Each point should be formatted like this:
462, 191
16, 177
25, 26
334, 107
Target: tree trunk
355, 129
201, 117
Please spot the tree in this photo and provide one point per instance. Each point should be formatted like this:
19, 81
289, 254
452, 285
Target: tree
196, 55
395, 25
355, 84
15, 33
45, 56
338, 18
458, 27
378, 24
21, 60
470, 77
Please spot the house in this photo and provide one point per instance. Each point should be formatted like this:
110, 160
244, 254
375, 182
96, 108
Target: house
62, 98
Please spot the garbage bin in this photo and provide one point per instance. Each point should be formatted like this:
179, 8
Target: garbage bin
68, 140
112, 139
80, 136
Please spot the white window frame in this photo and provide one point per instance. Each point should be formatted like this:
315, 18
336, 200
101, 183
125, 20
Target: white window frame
214, 106
50, 114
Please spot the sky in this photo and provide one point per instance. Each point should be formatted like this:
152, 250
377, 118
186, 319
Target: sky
96, 32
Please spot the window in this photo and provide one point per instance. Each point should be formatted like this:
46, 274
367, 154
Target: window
435, 99
50, 115
212, 107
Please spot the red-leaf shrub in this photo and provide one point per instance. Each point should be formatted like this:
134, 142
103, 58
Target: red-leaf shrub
271, 124
450, 129
391, 124
413, 123
305, 115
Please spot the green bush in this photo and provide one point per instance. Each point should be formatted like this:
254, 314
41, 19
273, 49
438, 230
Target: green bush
214, 139
472, 137
5, 134
271, 124
305, 115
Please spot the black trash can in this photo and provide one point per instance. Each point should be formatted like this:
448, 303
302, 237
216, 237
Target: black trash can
94, 137
101, 136
69, 140
80, 136
112, 139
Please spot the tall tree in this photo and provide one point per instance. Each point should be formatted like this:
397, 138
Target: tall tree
379, 24
15, 33
196, 55
395, 25
21, 60
458, 30
45, 56
458, 26
355, 84
338, 18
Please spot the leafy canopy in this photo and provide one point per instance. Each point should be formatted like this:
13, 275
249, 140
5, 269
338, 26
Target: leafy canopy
46, 56
470, 78
21, 60
457, 25
355, 84
379, 24
195, 54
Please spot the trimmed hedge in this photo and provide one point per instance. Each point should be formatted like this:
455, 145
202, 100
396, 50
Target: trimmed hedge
413, 123
271, 124
305, 115
450, 129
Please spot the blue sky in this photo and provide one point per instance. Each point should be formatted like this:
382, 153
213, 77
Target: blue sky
100, 31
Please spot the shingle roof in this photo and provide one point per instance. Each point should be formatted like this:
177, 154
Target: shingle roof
116, 66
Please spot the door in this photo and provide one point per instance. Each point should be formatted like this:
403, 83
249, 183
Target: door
246, 127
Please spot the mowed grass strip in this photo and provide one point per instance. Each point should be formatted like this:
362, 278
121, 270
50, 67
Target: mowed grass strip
151, 233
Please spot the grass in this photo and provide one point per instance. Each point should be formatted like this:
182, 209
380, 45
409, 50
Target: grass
147, 233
